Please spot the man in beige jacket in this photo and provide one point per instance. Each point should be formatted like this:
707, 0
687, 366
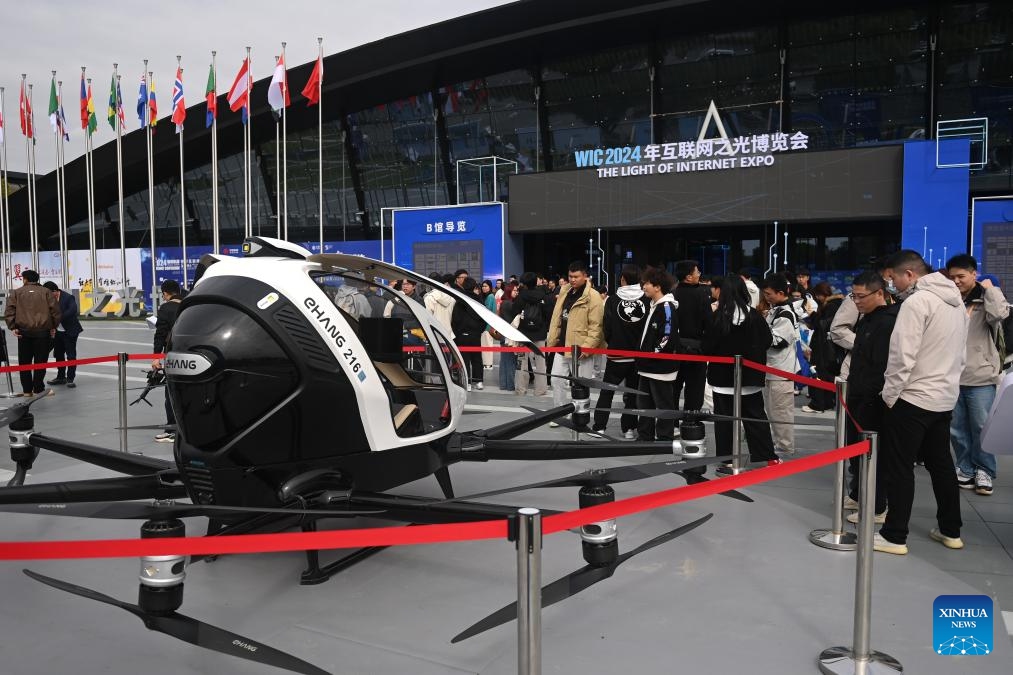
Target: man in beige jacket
922, 382
576, 320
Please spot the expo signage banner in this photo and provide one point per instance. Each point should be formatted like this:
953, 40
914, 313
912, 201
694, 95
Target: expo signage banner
703, 154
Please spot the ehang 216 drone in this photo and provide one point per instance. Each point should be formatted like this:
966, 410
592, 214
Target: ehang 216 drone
266, 346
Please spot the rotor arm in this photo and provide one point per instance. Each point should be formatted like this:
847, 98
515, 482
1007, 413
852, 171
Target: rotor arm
550, 450
132, 465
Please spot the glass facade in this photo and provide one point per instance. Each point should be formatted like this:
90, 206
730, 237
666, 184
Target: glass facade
847, 80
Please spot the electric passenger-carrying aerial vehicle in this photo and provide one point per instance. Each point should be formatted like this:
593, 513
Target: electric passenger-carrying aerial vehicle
306, 389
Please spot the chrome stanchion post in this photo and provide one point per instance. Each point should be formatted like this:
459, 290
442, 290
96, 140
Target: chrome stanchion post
737, 413
836, 538
529, 591
121, 371
574, 365
861, 659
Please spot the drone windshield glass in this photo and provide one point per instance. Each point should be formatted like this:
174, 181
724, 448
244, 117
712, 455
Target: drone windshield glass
393, 330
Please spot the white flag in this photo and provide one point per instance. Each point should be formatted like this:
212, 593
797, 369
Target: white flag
277, 92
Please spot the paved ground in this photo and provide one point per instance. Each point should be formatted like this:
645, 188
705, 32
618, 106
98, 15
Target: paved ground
746, 589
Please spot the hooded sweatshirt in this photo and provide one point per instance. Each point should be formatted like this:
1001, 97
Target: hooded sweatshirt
927, 348
625, 312
661, 336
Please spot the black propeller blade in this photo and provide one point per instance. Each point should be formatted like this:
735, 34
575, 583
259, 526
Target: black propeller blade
574, 583
619, 474
18, 410
163, 427
193, 631
149, 511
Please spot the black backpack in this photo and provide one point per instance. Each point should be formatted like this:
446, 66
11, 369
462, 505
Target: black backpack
532, 319
1003, 335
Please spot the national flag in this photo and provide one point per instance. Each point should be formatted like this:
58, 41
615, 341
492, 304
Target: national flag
61, 123
115, 108
178, 105
277, 92
239, 94
92, 117
54, 105
312, 89
142, 100
84, 104
1, 128
212, 98
25, 113
152, 104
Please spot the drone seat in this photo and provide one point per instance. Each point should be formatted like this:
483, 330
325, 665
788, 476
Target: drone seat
408, 420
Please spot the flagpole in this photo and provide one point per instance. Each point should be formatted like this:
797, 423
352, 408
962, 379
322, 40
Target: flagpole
151, 182
90, 176
284, 143
214, 164
56, 150
182, 190
277, 169
34, 206
249, 143
119, 181
320, 141
5, 222
61, 130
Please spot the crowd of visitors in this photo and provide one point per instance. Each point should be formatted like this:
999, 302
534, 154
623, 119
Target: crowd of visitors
922, 352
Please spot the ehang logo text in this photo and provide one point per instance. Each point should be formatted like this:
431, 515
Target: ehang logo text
962, 625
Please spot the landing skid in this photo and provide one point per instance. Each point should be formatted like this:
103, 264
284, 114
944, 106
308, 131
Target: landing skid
315, 574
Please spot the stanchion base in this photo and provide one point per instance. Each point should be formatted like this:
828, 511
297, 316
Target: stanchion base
845, 541
841, 661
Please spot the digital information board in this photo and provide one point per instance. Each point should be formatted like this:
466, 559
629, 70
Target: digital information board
448, 238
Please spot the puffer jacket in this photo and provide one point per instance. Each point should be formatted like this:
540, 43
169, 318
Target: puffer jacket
584, 322
986, 309
441, 306
928, 347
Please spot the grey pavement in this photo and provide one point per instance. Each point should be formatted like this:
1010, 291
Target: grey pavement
746, 589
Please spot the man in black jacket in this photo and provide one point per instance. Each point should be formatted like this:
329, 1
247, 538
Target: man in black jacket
622, 326
65, 342
660, 336
866, 375
533, 308
694, 302
167, 313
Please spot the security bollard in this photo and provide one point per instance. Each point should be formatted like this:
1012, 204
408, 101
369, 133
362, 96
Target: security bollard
860, 659
121, 372
836, 539
529, 592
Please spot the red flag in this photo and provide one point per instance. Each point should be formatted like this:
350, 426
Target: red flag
25, 111
178, 104
312, 89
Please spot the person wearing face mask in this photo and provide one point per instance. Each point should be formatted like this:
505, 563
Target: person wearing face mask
921, 387
986, 309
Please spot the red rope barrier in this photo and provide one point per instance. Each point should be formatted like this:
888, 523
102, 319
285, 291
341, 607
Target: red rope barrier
401, 536
58, 364
809, 381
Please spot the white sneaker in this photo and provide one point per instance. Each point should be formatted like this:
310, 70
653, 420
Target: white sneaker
850, 504
879, 519
807, 409
553, 425
479, 386
166, 437
630, 434
948, 542
982, 483
882, 545
965, 481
